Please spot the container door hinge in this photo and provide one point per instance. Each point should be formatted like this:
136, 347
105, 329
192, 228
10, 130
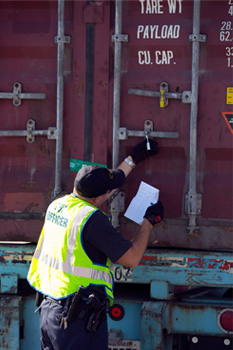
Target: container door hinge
193, 203
17, 95
163, 94
124, 133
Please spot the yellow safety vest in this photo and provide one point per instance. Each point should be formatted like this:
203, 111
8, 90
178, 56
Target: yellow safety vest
60, 264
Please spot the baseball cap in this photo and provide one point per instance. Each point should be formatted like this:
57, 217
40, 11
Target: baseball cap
93, 180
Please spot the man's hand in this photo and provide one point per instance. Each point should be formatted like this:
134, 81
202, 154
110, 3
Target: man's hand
140, 151
154, 213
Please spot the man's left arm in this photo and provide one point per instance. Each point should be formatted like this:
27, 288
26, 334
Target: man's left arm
137, 155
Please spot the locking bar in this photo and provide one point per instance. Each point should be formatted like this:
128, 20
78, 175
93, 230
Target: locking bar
124, 133
30, 132
17, 95
163, 94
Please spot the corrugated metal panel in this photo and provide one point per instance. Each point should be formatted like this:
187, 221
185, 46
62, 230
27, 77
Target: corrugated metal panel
158, 50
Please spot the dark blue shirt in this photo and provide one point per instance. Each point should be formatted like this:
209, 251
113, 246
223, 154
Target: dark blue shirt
102, 240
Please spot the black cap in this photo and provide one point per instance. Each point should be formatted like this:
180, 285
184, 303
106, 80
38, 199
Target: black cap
92, 181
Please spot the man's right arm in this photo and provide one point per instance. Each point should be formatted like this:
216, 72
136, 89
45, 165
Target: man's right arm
153, 216
135, 253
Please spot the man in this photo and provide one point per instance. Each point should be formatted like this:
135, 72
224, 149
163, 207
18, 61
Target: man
71, 264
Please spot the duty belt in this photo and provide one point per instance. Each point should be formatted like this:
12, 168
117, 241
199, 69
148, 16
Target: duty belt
89, 308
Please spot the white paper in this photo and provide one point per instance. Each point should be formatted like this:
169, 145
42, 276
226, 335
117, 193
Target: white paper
146, 196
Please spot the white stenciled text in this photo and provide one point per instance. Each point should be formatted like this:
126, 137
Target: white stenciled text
158, 32
160, 57
150, 7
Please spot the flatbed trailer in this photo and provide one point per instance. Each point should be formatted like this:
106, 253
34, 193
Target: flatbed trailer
150, 311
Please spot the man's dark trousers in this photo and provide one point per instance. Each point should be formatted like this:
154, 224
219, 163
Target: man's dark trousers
75, 337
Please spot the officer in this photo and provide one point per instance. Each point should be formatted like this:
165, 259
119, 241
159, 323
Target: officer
71, 265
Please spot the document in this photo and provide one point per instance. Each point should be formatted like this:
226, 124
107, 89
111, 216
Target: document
146, 196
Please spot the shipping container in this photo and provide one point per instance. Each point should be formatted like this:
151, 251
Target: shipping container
82, 82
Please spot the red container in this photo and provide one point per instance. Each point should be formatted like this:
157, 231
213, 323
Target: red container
159, 50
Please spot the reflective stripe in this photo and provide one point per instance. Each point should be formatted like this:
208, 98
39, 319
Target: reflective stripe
76, 270
72, 238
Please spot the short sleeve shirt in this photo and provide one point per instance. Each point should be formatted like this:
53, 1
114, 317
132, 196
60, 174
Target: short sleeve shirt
102, 240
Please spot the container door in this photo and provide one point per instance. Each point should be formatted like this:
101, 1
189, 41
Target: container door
29, 38
157, 85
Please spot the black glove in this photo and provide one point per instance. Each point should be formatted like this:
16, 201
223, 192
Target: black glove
140, 151
154, 213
